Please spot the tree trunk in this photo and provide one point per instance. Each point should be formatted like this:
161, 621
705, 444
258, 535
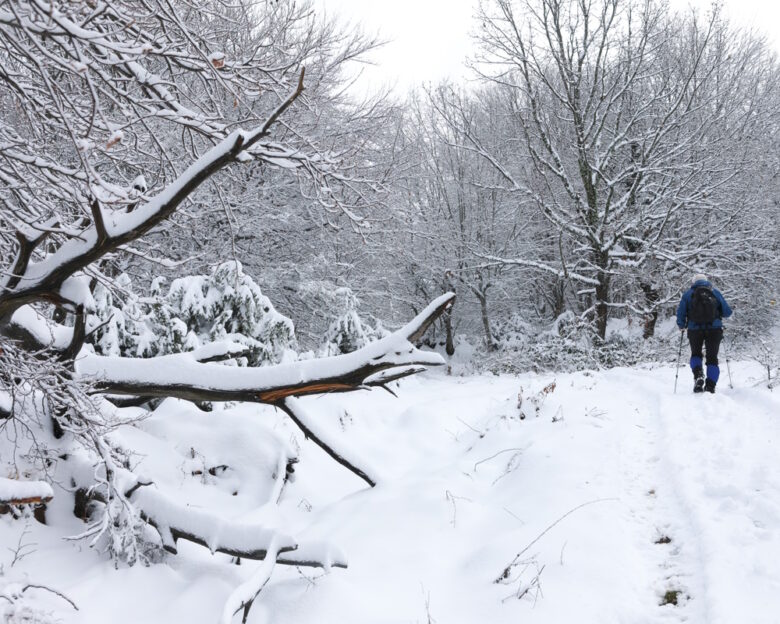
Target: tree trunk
450, 340
602, 294
651, 299
491, 345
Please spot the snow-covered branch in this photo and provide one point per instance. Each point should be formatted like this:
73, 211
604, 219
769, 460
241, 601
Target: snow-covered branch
14, 492
182, 376
174, 521
246, 593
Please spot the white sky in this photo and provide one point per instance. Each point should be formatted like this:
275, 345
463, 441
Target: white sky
430, 38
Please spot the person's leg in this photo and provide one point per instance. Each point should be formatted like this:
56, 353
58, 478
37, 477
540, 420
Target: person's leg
712, 345
696, 339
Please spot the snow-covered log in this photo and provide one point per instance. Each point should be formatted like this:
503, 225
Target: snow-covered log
182, 376
13, 492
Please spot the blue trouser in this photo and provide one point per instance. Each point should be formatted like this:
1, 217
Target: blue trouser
710, 340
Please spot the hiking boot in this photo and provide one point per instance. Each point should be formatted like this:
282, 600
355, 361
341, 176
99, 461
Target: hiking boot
698, 385
709, 386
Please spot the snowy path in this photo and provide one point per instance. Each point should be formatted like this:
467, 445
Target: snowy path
725, 465
690, 505
618, 495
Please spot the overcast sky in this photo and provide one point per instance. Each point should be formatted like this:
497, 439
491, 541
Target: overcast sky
430, 38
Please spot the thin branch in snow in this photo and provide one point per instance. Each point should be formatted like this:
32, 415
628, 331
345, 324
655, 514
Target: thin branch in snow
506, 573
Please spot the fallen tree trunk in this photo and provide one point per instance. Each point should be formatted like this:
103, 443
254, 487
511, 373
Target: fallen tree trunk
183, 376
14, 492
174, 522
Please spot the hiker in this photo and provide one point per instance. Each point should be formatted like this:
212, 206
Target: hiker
701, 309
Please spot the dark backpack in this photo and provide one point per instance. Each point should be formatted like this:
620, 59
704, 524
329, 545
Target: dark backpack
703, 309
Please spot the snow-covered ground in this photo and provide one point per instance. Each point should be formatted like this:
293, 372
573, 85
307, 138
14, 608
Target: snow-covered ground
618, 496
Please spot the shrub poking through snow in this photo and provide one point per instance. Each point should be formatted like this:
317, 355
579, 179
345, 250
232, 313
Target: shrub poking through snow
535, 400
671, 597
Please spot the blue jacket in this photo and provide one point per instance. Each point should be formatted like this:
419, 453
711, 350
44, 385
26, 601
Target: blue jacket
685, 302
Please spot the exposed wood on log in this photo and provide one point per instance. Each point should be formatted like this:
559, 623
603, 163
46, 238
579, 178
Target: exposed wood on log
38, 504
30, 500
276, 396
14, 492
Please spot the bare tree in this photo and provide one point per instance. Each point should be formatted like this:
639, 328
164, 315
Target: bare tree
632, 118
450, 202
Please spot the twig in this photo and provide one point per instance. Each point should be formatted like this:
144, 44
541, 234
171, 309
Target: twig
481, 434
19, 552
505, 573
50, 590
482, 461
451, 497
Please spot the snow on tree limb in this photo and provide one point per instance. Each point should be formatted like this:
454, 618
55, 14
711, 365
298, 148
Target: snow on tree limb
174, 522
43, 279
415, 328
245, 594
239, 539
14, 492
181, 376
314, 555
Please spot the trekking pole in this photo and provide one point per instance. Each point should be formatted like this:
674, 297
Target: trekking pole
679, 355
728, 368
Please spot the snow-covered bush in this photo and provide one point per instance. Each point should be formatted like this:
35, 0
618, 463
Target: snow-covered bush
195, 310
348, 332
118, 327
570, 344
